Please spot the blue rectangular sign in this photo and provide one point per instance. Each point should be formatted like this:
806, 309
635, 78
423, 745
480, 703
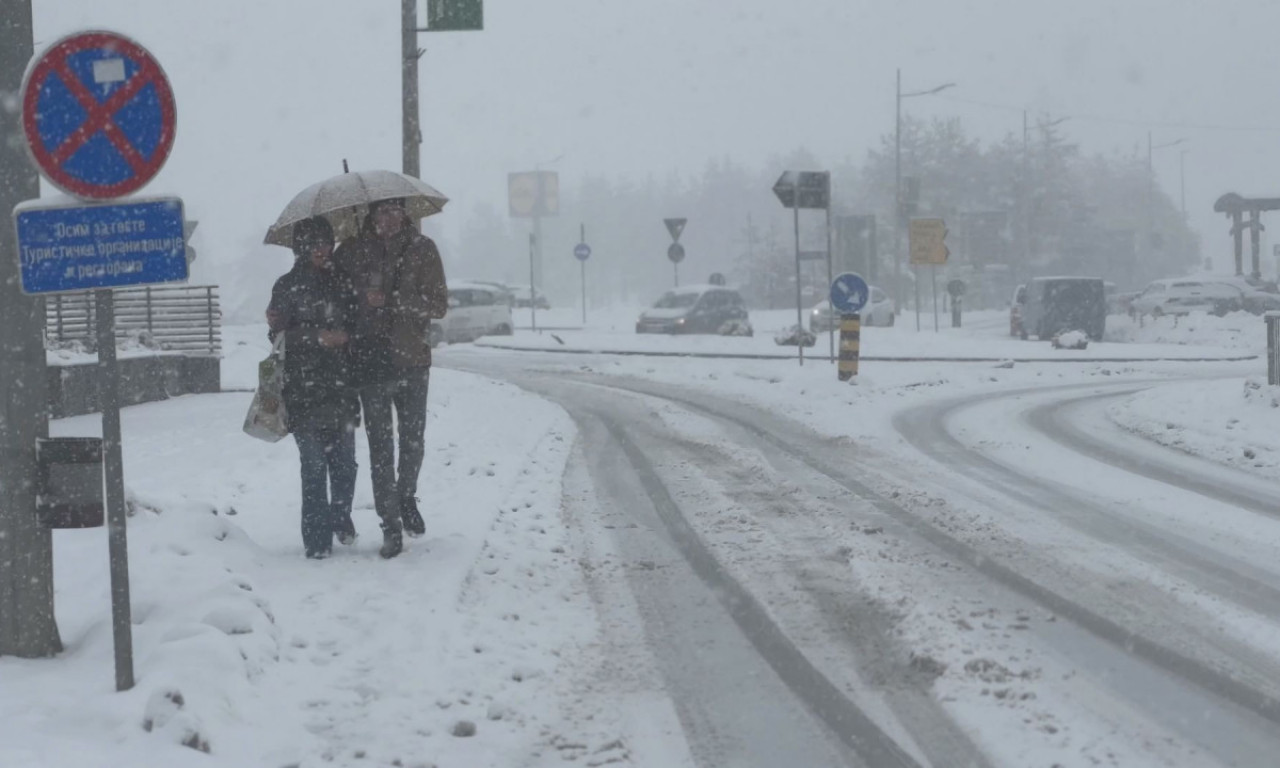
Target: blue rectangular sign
84, 247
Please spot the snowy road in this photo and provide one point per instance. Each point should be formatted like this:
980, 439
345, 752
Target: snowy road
1020, 582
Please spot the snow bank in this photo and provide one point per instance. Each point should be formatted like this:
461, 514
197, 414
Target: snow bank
457, 653
1231, 421
1239, 331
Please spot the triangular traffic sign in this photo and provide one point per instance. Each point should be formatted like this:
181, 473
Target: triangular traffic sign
675, 227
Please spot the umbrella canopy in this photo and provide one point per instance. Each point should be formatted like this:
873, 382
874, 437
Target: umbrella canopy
345, 199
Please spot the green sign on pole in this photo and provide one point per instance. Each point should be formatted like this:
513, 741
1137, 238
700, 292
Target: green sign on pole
455, 15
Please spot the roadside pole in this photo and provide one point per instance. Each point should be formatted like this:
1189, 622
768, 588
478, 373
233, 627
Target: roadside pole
27, 625
533, 304
113, 468
799, 295
831, 333
933, 277
411, 131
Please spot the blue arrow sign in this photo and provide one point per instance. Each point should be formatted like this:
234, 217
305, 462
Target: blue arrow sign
849, 293
100, 246
582, 251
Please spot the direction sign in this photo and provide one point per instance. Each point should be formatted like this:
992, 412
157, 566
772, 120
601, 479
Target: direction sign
849, 293
675, 227
582, 251
804, 189
533, 194
98, 114
676, 253
926, 239
82, 247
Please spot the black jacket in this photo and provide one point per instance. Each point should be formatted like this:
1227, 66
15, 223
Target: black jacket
318, 390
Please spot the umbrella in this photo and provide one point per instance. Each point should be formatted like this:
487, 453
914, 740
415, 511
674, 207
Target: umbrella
345, 199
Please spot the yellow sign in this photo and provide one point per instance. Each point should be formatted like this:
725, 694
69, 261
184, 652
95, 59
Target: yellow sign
533, 194
926, 241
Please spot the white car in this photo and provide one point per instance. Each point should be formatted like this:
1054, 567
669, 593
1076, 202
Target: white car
475, 310
878, 311
1184, 296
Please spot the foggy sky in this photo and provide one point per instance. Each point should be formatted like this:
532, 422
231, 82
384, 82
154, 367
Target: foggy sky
273, 95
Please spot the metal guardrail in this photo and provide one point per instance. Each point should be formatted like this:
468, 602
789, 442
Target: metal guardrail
1273, 347
182, 319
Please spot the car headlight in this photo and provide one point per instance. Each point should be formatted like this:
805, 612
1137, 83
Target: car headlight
679, 321
817, 312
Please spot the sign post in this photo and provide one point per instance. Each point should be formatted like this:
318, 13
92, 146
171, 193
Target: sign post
927, 243
28, 627
849, 294
805, 189
582, 252
675, 253
99, 118
533, 195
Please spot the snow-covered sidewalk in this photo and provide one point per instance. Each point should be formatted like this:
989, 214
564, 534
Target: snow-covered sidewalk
458, 653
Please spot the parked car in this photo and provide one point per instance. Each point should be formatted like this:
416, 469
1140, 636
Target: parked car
878, 311
697, 309
1181, 296
506, 292
1054, 304
521, 296
1015, 311
475, 310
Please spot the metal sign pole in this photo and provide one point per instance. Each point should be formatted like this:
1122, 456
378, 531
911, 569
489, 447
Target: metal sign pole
795, 208
676, 266
934, 278
536, 277
583, 233
113, 470
533, 304
831, 332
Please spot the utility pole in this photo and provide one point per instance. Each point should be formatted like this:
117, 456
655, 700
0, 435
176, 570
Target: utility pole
1026, 197
897, 197
410, 53
1182, 182
27, 625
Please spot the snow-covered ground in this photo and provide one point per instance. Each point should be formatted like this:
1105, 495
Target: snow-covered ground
463, 651
1233, 421
983, 335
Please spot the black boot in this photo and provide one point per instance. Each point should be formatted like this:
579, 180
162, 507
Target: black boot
392, 540
413, 522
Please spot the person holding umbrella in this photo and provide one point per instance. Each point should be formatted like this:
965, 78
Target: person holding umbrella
314, 307
400, 285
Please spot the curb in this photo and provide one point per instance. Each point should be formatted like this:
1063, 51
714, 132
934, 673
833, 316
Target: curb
868, 358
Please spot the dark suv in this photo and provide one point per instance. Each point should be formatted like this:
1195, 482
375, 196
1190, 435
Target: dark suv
697, 309
1054, 304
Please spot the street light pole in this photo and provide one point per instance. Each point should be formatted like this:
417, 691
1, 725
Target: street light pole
1182, 182
411, 131
897, 190
1149, 249
897, 198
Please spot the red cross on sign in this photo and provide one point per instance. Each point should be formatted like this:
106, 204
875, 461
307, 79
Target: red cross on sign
98, 114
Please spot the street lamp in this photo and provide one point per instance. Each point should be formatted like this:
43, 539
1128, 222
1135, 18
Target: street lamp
1028, 224
1151, 192
897, 188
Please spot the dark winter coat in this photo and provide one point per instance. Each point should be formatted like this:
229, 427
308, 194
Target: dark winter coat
398, 334
318, 388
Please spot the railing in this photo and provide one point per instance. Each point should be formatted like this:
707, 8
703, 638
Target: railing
181, 319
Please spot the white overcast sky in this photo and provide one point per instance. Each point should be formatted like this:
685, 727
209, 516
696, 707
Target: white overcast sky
272, 94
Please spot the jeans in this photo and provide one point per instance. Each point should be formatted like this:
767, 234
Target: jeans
328, 483
407, 394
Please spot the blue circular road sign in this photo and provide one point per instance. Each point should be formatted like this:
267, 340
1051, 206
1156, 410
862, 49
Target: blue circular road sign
98, 114
849, 293
582, 251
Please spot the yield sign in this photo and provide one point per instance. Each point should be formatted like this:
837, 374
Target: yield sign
98, 114
675, 227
